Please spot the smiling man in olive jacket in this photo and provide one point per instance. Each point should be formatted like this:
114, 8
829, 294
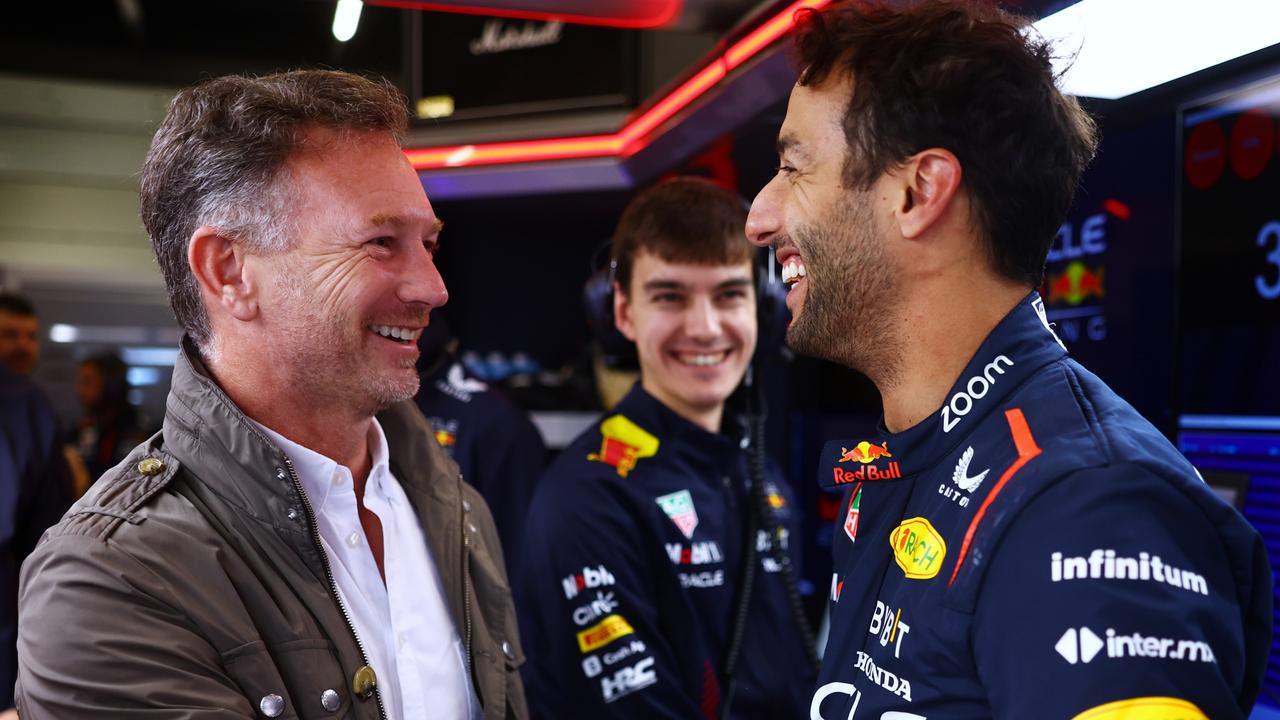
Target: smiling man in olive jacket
293, 543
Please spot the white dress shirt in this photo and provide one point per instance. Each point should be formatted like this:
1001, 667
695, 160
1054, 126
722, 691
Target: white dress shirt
404, 625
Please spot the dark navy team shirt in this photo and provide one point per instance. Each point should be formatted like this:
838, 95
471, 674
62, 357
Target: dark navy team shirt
1036, 549
629, 576
497, 447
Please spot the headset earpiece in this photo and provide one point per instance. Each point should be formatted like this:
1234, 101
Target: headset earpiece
597, 302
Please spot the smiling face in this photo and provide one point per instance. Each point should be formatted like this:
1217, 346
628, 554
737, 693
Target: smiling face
343, 307
833, 247
694, 327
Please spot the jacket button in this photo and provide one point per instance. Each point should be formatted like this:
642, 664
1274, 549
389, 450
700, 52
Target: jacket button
363, 682
506, 650
271, 705
466, 505
330, 700
150, 466
294, 514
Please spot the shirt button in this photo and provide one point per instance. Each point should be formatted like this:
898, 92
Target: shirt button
271, 705
330, 700
401, 641
353, 539
339, 479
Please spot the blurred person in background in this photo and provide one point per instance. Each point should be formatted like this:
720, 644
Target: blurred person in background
294, 543
497, 447
109, 425
19, 334
35, 490
634, 595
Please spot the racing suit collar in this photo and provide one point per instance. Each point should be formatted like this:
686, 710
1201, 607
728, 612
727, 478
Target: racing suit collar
1020, 344
651, 414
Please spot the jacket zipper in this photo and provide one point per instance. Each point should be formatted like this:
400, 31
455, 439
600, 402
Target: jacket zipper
466, 594
466, 589
333, 585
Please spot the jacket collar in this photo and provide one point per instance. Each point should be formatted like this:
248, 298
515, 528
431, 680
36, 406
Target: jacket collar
216, 442
1021, 344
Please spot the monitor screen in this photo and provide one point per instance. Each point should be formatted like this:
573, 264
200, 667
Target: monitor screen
1229, 218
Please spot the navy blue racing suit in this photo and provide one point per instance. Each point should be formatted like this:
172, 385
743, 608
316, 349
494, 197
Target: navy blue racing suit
1037, 550
630, 573
497, 447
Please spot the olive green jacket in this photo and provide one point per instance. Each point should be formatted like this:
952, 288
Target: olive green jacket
190, 582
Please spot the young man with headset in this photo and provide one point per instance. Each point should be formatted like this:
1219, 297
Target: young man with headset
653, 564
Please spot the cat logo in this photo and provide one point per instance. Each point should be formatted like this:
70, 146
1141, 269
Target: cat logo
623, 443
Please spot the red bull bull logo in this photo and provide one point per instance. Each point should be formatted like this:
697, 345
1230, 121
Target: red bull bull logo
623, 443
1075, 284
918, 548
865, 452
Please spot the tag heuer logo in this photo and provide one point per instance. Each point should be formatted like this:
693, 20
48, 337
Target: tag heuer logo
679, 507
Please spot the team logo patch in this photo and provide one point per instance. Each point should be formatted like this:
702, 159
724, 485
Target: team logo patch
855, 510
623, 444
918, 548
960, 476
1144, 708
603, 633
864, 452
679, 507
446, 433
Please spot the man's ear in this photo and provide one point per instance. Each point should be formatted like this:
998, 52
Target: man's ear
929, 180
622, 313
218, 264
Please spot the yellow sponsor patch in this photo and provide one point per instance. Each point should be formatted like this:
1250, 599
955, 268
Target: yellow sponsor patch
604, 632
622, 443
918, 548
1144, 708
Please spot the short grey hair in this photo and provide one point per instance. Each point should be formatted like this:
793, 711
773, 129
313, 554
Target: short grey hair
217, 157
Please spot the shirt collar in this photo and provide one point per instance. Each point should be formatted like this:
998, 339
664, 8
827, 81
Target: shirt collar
1020, 344
316, 471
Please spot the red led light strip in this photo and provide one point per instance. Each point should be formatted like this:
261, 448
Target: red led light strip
665, 15
632, 137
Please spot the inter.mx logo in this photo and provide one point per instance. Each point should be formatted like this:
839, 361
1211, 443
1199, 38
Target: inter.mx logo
1083, 645
588, 579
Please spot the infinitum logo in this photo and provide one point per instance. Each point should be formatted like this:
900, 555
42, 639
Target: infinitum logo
1083, 645
1106, 565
